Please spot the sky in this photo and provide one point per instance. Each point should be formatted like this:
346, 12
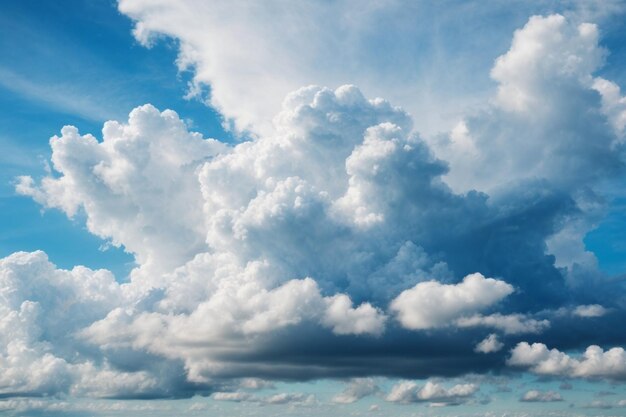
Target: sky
348, 208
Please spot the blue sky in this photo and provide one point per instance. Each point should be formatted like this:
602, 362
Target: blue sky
282, 241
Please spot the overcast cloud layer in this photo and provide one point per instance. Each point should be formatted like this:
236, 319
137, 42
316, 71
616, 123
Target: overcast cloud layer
339, 242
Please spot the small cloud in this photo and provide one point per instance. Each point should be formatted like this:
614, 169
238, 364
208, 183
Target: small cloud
534, 396
232, 396
255, 384
594, 362
591, 310
489, 345
357, 388
432, 304
408, 392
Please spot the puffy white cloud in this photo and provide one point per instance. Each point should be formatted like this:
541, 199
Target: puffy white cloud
590, 310
296, 398
546, 90
104, 382
489, 344
594, 362
42, 308
292, 398
409, 392
255, 384
613, 104
432, 304
137, 187
232, 396
402, 392
509, 323
545, 49
344, 319
541, 396
356, 389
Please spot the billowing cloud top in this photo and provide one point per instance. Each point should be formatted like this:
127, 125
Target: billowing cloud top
335, 238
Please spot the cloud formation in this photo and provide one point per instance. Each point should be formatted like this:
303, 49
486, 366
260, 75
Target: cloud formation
535, 396
356, 389
314, 250
393, 49
431, 304
594, 362
489, 344
409, 392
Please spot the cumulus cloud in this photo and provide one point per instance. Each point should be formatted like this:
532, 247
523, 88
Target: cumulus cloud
356, 389
42, 310
594, 363
591, 310
292, 398
136, 187
545, 81
410, 392
432, 304
574, 54
232, 396
489, 344
344, 319
509, 324
613, 104
255, 384
534, 396
321, 230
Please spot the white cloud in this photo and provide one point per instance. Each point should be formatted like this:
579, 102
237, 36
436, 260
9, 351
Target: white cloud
489, 344
255, 384
613, 104
594, 362
541, 396
104, 382
296, 398
537, 56
241, 54
291, 398
545, 82
138, 187
232, 396
409, 392
42, 308
432, 304
344, 319
590, 310
356, 389
509, 323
